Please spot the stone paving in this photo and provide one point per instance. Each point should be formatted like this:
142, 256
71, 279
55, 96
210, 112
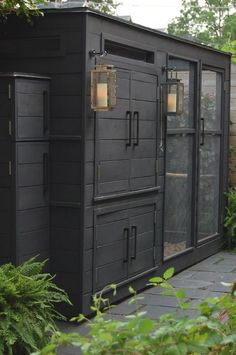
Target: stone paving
200, 281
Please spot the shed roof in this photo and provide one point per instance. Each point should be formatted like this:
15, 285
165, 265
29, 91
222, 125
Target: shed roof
75, 9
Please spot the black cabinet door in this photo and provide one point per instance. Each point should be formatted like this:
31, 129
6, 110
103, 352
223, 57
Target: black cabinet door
24, 113
124, 243
112, 142
111, 248
142, 239
32, 175
31, 109
144, 137
126, 137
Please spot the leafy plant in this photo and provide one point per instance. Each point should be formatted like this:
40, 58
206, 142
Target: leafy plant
230, 218
23, 8
27, 299
207, 333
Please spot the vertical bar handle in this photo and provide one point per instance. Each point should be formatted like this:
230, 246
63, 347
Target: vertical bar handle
45, 111
134, 229
136, 116
45, 172
129, 119
126, 235
202, 131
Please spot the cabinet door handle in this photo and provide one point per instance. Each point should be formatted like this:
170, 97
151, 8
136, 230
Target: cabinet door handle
202, 131
134, 229
129, 119
45, 111
126, 239
136, 117
45, 172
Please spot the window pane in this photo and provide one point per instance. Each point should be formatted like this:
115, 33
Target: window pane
178, 194
209, 186
211, 99
185, 72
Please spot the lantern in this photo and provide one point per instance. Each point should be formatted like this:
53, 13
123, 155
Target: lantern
175, 97
103, 87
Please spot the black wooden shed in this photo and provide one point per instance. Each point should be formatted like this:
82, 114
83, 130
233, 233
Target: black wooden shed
117, 196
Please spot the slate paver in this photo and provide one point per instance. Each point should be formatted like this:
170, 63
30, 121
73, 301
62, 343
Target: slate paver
200, 281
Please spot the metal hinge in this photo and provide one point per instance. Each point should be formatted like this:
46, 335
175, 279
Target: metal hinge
9, 128
225, 85
154, 253
9, 168
157, 168
155, 217
99, 171
158, 92
9, 91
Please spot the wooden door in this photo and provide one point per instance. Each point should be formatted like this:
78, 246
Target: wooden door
111, 248
113, 146
144, 137
124, 243
126, 138
142, 239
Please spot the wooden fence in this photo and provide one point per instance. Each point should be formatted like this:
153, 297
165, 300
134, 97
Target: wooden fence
232, 140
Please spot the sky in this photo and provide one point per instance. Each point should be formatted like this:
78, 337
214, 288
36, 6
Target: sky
151, 13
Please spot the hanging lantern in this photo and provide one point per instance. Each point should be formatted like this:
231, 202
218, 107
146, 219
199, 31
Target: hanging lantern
103, 87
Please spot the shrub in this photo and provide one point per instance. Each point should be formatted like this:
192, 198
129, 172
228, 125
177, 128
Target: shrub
230, 218
212, 332
27, 299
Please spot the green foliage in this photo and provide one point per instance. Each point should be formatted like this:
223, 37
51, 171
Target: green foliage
231, 48
27, 299
107, 6
211, 23
230, 218
168, 335
22, 8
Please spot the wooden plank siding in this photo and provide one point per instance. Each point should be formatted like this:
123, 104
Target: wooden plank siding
232, 140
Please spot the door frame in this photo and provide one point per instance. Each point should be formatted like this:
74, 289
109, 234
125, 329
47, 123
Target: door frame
221, 165
194, 131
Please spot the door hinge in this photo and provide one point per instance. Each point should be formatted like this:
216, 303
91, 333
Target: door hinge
9, 128
157, 168
155, 217
225, 85
98, 171
158, 92
9, 168
9, 91
154, 253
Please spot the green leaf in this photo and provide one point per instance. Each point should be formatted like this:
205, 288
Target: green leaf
180, 293
146, 325
168, 273
156, 280
131, 290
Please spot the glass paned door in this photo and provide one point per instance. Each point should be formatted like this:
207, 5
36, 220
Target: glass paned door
209, 155
179, 156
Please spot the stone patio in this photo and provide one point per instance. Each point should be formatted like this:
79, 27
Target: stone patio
200, 281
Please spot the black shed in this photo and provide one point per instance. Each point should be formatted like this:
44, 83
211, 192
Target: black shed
109, 196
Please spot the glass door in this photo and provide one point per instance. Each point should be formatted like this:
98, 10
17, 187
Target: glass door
209, 154
179, 166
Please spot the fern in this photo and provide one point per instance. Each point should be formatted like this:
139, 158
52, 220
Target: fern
27, 307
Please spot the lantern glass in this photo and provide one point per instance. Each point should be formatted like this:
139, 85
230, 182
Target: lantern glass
103, 88
175, 98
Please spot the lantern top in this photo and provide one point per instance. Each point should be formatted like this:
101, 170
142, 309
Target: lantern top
103, 67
